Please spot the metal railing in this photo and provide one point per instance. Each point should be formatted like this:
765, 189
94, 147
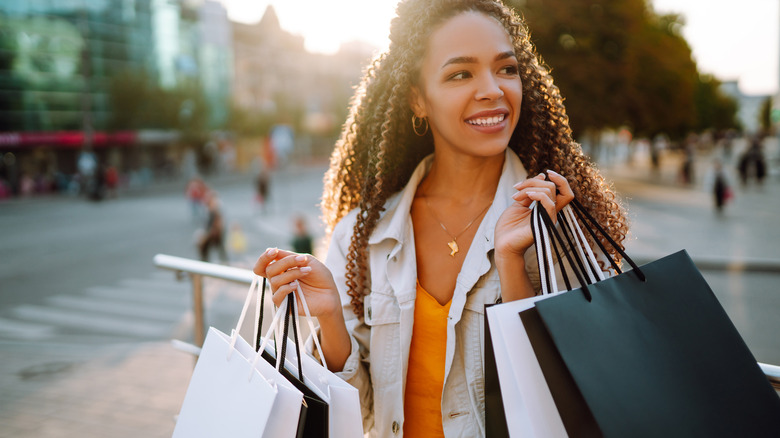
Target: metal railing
196, 270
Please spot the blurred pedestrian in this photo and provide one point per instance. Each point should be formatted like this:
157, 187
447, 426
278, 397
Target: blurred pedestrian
112, 181
98, 186
302, 240
214, 230
752, 163
262, 180
686, 170
451, 138
656, 149
196, 192
721, 189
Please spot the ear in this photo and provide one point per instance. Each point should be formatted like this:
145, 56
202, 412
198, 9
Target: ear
416, 102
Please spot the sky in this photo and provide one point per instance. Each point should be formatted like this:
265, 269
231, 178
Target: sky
733, 40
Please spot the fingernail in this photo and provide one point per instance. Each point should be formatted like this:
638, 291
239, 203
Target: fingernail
553, 172
517, 186
306, 269
294, 284
300, 258
272, 251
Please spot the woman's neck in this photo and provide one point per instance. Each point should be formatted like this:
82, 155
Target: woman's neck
462, 178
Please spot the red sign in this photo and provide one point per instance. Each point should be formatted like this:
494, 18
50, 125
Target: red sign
65, 139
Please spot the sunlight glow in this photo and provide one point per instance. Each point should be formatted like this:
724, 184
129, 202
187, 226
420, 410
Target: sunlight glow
731, 42
325, 25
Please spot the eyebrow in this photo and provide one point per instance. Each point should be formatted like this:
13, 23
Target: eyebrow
473, 60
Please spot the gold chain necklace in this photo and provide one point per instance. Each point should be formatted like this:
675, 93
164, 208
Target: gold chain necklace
453, 244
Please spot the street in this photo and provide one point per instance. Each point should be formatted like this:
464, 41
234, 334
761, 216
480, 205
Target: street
82, 307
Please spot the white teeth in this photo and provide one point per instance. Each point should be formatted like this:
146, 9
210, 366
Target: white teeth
487, 121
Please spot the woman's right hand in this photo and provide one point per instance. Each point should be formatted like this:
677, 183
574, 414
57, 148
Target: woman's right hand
286, 270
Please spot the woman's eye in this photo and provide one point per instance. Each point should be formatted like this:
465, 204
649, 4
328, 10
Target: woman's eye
510, 70
459, 76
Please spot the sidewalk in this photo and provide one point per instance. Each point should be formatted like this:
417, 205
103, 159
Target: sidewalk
666, 215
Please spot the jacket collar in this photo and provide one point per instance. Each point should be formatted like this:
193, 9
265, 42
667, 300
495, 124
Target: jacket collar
395, 221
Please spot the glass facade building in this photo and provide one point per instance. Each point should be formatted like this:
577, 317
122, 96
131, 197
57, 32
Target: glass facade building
60, 61
57, 57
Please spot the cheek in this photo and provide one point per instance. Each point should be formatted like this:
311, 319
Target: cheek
446, 109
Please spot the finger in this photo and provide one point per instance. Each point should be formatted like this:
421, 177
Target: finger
268, 257
538, 184
565, 192
522, 198
285, 263
288, 276
282, 291
546, 202
547, 188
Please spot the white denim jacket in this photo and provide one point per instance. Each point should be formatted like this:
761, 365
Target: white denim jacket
381, 336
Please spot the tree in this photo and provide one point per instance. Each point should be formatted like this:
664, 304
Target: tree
714, 109
662, 93
765, 115
617, 63
138, 102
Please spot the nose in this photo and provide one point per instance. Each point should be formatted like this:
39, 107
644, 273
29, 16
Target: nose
488, 88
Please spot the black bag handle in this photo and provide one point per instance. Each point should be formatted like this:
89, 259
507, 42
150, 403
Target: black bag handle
586, 266
551, 228
581, 212
290, 313
260, 317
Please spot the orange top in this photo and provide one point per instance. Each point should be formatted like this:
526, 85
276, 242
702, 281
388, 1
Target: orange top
425, 373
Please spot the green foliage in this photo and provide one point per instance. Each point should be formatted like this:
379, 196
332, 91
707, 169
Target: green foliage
714, 109
137, 102
765, 115
618, 63
258, 122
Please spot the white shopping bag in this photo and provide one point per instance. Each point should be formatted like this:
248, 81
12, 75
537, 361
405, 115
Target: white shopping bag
226, 395
529, 407
231, 394
344, 414
528, 404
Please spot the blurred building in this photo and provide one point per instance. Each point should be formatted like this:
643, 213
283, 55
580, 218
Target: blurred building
277, 81
59, 64
749, 106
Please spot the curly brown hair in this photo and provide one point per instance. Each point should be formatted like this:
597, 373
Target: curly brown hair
378, 150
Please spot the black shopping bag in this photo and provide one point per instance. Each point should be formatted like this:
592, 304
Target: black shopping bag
575, 414
495, 419
654, 354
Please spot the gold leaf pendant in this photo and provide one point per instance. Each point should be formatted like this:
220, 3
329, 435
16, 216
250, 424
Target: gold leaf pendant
454, 247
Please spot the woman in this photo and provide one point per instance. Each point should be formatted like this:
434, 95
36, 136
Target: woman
427, 201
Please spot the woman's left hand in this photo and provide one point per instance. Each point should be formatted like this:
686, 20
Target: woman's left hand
513, 235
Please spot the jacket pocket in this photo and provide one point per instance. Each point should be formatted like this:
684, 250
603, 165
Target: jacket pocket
379, 309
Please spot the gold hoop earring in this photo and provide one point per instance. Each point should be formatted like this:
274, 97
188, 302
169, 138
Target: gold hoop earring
417, 123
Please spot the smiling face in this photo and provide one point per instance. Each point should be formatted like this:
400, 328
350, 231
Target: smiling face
469, 87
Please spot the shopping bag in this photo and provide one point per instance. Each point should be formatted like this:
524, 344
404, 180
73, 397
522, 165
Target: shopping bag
314, 421
574, 413
230, 395
654, 354
333, 404
518, 401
